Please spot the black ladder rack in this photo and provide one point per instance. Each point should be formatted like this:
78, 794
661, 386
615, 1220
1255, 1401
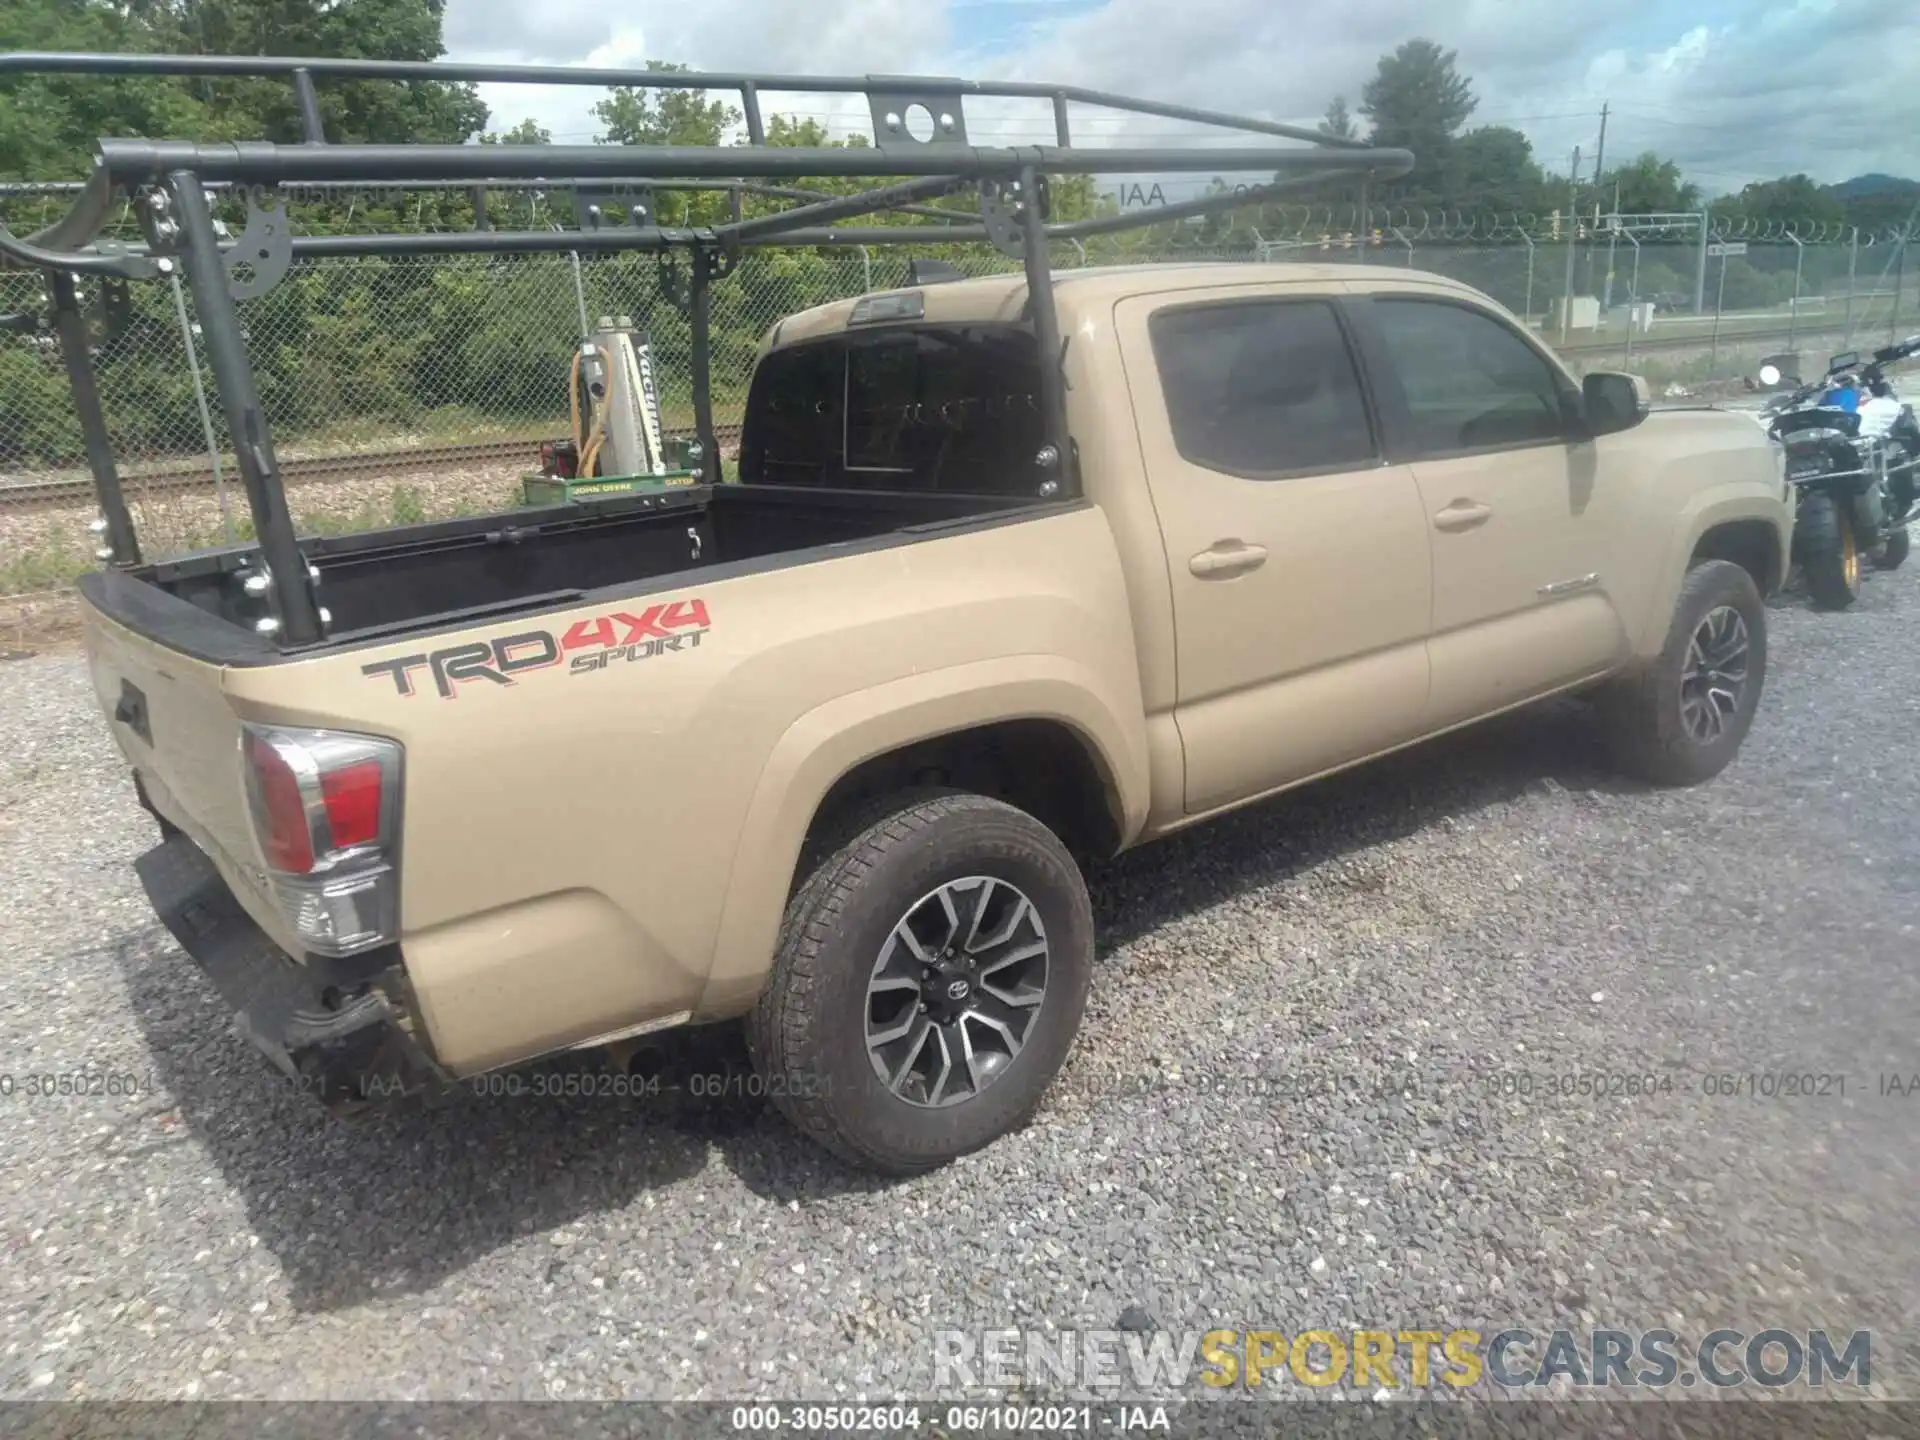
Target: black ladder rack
919, 132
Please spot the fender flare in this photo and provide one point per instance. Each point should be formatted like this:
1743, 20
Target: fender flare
1711, 508
832, 739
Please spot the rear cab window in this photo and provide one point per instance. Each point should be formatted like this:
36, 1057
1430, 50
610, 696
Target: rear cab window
1262, 388
953, 408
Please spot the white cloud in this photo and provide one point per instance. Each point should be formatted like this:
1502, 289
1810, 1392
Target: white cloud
850, 37
1735, 91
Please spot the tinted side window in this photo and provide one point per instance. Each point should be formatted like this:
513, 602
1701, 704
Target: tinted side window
1470, 382
941, 408
1262, 388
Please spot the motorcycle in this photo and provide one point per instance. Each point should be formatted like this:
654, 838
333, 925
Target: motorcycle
1853, 456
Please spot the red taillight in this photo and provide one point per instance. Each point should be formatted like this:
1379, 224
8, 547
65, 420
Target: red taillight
325, 809
285, 839
319, 797
352, 797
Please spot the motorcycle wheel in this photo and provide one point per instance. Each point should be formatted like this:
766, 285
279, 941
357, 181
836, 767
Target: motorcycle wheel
1829, 551
1893, 554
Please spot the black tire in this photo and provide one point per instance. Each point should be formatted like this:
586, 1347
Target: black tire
1645, 728
808, 1033
1828, 551
1893, 554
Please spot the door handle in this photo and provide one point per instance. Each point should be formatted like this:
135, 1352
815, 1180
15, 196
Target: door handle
1227, 557
1463, 515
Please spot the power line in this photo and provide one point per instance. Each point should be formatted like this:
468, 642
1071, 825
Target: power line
1689, 124
1557, 115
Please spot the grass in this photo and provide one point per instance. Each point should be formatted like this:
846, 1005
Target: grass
48, 568
38, 570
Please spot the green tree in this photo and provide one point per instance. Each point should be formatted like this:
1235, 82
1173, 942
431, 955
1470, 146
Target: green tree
1878, 203
527, 132
1649, 185
48, 124
356, 111
1790, 199
1339, 120
1750, 286
1492, 168
635, 116
1073, 197
1417, 99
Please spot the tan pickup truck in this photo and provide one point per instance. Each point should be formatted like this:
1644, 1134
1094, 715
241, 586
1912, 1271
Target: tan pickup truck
825, 748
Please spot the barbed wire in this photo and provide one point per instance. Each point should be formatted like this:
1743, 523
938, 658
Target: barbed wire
1419, 223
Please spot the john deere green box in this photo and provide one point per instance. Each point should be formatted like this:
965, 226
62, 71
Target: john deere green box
559, 490
540, 488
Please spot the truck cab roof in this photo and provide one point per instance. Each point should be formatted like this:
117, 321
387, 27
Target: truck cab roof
1003, 297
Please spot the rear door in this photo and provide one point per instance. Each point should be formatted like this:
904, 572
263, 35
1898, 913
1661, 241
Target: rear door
1527, 529
1298, 557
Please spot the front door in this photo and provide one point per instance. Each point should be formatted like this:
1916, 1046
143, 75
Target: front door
1525, 531
1298, 558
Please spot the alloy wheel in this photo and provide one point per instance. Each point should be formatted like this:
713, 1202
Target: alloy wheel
956, 990
1715, 676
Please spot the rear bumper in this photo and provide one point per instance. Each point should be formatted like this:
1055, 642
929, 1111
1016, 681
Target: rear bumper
343, 1051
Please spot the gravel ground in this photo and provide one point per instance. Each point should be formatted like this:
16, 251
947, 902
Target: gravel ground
1493, 905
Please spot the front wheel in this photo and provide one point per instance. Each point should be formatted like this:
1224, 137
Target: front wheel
930, 979
1679, 718
1823, 533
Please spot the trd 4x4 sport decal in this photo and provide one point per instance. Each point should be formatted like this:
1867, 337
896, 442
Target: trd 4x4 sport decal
601, 641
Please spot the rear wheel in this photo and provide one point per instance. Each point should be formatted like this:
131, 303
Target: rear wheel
1680, 718
1829, 551
1893, 554
929, 982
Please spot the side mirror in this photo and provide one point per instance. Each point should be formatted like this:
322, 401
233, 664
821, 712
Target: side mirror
1615, 401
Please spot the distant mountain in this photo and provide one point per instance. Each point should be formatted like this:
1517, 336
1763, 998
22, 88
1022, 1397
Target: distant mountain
1862, 187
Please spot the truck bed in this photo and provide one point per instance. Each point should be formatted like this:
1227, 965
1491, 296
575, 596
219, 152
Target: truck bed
393, 581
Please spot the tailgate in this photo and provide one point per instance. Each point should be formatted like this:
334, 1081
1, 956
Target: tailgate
171, 718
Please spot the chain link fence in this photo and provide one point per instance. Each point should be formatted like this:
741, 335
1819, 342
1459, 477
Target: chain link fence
417, 387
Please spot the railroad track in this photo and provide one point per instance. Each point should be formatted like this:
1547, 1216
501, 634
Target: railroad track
358, 465
194, 476
1698, 340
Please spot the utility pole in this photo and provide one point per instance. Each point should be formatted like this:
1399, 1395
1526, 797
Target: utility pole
1599, 178
1613, 251
1600, 154
1700, 270
1573, 246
